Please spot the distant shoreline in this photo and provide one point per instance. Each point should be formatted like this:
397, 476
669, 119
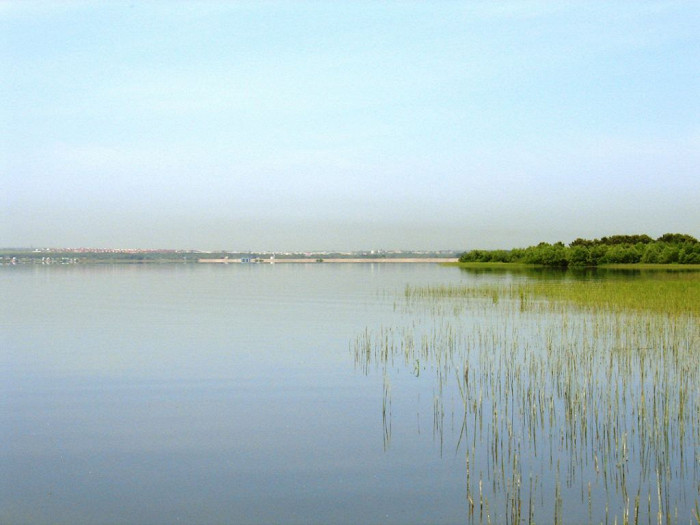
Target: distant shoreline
68, 256
381, 260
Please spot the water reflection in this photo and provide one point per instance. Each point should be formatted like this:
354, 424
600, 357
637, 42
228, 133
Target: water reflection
577, 273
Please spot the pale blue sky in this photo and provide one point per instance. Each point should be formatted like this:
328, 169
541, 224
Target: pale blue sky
347, 125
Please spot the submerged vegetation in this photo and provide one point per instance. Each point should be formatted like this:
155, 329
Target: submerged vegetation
670, 248
571, 400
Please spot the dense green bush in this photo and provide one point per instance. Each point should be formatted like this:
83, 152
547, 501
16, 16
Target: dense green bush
617, 249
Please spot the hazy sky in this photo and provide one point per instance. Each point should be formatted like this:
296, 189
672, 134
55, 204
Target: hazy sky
347, 125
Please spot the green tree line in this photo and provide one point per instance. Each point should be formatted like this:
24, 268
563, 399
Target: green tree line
628, 249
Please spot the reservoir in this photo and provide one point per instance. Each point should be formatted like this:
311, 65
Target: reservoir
358, 393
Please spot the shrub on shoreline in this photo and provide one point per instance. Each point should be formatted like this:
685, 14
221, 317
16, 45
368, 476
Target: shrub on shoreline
617, 249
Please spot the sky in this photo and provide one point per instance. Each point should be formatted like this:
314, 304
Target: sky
347, 125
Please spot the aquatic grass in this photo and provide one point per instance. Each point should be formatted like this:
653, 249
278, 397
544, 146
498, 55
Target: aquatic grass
592, 383
672, 293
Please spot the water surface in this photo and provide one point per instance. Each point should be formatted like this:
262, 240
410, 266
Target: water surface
328, 393
208, 394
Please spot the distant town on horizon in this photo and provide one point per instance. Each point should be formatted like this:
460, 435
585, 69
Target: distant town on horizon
669, 248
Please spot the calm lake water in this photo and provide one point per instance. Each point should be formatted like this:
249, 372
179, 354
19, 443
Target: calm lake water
242, 394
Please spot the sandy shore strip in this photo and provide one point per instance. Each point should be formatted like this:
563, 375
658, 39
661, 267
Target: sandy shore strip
324, 261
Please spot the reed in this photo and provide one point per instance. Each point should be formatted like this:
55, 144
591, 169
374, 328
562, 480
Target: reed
594, 384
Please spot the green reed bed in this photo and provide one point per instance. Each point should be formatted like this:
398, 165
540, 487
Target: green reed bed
578, 400
673, 293
670, 294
